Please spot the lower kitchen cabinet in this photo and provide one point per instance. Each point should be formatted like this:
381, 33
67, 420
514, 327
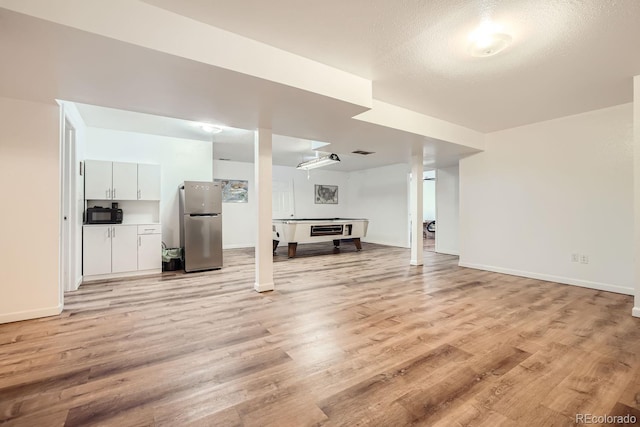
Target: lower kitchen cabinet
108, 250
96, 250
124, 251
149, 251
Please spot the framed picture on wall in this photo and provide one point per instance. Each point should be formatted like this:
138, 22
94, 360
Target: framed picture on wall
234, 191
326, 194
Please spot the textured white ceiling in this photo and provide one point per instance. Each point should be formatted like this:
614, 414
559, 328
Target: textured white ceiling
567, 56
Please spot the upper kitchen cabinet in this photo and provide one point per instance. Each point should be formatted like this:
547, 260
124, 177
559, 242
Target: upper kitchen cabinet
148, 182
98, 180
121, 181
125, 177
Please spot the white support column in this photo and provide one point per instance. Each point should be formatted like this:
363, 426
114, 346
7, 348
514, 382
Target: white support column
417, 249
636, 191
263, 183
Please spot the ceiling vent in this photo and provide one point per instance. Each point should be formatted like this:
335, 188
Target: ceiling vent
364, 153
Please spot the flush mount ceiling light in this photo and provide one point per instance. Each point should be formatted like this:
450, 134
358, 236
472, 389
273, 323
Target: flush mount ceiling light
320, 161
209, 128
488, 39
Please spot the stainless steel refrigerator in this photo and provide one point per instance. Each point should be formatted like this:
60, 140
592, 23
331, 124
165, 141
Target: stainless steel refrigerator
201, 225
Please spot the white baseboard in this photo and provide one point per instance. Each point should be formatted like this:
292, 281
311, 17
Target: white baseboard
30, 314
264, 287
121, 275
239, 246
635, 312
416, 262
386, 243
447, 251
551, 278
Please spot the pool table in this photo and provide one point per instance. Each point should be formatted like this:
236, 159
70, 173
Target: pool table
310, 230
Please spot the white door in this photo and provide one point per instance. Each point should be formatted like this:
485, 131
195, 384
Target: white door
283, 199
96, 250
124, 248
149, 251
125, 181
97, 180
148, 182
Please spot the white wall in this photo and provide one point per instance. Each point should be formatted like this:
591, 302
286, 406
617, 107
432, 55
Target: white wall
428, 200
304, 191
180, 160
544, 191
238, 219
29, 249
381, 195
447, 211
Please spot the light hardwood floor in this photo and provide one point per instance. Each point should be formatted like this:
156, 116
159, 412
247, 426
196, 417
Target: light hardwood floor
356, 338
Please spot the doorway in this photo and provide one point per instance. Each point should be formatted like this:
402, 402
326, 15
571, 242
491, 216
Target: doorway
429, 210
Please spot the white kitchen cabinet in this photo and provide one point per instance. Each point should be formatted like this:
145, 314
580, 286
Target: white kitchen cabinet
125, 179
134, 247
149, 247
96, 250
149, 251
97, 179
109, 249
110, 180
124, 250
121, 181
148, 182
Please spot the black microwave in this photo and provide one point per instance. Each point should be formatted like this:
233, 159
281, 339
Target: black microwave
100, 215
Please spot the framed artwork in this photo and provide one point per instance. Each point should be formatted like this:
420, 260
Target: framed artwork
326, 194
234, 191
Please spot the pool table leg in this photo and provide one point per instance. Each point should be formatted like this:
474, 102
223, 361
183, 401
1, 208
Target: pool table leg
356, 241
275, 245
292, 249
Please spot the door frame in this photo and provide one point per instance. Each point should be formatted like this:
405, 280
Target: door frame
70, 173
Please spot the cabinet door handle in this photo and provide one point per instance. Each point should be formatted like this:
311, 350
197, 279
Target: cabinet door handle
139, 241
109, 232
114, 193
139, 194
114, 232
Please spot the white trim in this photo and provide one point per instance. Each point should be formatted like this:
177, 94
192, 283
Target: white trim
635, 312
449, 252
78, 283
239, 246
551, 278
121, 275
387, 243
30, 314
416, 262
61, 172
264, 287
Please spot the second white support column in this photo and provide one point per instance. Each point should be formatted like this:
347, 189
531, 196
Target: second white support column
415, 190
263, 183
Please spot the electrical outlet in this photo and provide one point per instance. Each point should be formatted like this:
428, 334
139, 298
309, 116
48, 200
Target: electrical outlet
575, 257
584, 259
